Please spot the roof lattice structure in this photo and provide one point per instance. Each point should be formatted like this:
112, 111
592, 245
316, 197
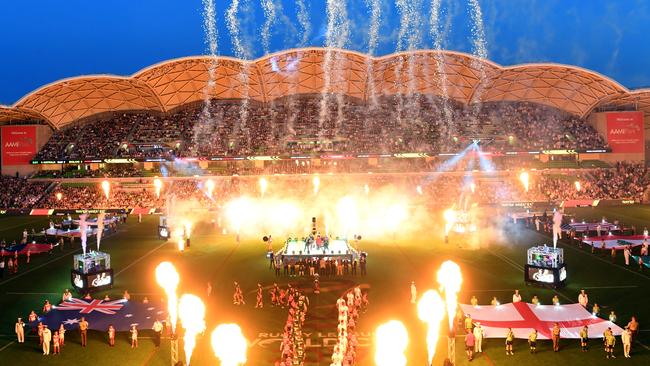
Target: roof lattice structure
456, 75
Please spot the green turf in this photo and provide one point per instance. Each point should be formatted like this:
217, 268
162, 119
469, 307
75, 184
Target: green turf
494, 270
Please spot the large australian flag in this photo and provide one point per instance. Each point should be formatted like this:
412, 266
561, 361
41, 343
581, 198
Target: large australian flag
100, 314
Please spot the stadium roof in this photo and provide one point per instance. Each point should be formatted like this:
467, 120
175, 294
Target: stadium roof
467, 79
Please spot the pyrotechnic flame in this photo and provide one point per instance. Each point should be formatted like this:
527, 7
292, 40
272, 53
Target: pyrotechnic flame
578, 185
209, 187
106, 187
419, 190
229, 344
237, 210
524, 178
188, 228
192, 314
450, 279
431, 310
366, 189
316, 182
263, 184
397, 213
59, 196
391, 341
472, 187
157, 183
168, 279
450, 219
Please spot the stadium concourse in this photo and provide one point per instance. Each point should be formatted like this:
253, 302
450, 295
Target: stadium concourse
309, 215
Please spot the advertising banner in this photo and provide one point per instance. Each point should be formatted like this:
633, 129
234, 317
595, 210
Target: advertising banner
625, 132
18, 144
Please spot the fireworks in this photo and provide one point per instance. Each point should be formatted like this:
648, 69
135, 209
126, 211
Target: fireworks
431, 310
209, 187
157, 183
450, 279
191, 311
419, 190
391, 342
316, 183
59, 196
263, 185
229, 344
524, 178
578, 185
106, 187
168, 279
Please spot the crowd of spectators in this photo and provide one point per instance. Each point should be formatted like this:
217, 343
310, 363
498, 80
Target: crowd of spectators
20, 192
308, 123
623, 181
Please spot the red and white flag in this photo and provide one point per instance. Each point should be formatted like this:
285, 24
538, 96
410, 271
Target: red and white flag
523, 318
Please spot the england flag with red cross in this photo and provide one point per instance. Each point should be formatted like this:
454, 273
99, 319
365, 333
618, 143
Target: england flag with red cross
523, 318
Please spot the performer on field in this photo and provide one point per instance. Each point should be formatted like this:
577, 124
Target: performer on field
259, 303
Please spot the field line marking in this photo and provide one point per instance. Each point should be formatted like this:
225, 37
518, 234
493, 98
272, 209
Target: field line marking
7, 345
153, 352
139, 259
608, 287
37, 267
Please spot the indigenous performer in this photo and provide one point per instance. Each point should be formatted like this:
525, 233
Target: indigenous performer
259, 303
414, 292
134, 336
626, 339
56, 345
555, 332
62, 335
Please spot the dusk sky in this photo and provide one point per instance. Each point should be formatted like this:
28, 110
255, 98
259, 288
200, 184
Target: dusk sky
48, 40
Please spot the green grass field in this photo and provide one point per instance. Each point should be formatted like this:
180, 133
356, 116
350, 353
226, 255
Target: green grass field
494, 270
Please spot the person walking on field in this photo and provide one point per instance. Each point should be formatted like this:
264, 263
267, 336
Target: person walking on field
83, 329
510, 337
626, 339
62, 335
111, 335
583, 299
478, 338
555, 332
610, 342
20, 330
584, 338
56, 345
157, 329
134, 337
47, 338
469, 345
414, 292
532, 341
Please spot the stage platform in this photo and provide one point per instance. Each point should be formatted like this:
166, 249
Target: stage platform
335, 248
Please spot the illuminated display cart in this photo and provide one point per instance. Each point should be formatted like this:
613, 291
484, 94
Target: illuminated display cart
545, 267
92, 272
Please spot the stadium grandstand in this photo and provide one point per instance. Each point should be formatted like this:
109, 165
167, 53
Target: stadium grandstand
281, 114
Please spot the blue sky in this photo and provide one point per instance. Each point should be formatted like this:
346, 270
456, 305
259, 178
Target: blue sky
48, 40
